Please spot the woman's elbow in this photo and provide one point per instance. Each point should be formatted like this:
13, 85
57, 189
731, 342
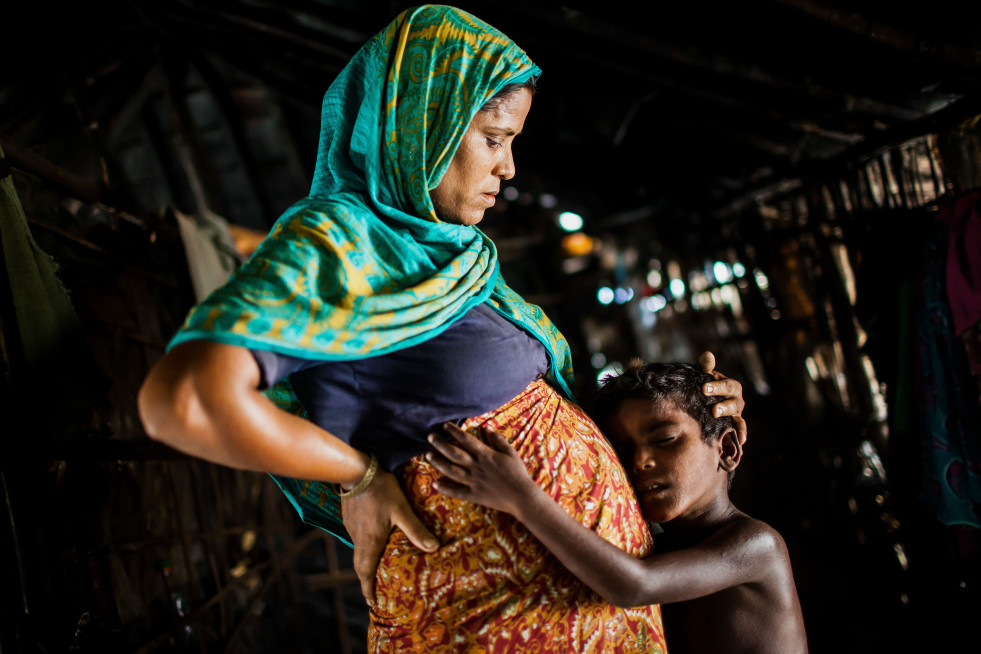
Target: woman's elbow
165, 402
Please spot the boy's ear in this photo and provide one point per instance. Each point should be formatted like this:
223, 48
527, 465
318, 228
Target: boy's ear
731, 450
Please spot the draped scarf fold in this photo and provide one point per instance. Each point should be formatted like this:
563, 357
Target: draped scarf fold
363, 265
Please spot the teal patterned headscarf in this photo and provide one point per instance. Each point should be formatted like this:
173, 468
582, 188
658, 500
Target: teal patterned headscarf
363, 265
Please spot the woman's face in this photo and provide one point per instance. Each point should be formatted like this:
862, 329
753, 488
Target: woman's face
484, 158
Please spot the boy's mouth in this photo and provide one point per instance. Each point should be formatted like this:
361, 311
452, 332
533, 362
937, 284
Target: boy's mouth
651, 487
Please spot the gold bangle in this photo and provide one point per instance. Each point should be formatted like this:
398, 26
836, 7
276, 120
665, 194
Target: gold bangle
360, 487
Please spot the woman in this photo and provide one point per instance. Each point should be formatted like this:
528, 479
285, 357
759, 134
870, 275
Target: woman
378, 304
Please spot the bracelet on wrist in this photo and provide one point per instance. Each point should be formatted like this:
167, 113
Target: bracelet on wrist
360, 487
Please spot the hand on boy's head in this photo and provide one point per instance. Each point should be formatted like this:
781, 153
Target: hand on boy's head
706, 361
730, 389
489, 473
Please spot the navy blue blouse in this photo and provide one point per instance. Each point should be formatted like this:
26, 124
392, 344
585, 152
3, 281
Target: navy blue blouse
388, 404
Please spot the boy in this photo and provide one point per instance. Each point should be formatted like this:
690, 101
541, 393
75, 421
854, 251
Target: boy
725, 577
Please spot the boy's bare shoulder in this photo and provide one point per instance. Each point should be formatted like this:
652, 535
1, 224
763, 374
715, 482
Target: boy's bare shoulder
754, 539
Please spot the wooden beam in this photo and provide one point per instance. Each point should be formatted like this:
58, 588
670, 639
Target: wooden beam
25, 159
887, 34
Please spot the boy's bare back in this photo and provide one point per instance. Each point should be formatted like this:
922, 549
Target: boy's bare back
761, 615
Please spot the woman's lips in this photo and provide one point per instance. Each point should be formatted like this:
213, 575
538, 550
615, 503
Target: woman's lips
489, 198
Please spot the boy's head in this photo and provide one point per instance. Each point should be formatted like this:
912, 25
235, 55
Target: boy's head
677, 453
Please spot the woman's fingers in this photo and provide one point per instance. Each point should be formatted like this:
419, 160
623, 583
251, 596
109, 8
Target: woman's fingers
729, 388
369, 518
417, 533
706, 361
742, 431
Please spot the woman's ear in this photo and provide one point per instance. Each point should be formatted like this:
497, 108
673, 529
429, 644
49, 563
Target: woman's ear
731, 450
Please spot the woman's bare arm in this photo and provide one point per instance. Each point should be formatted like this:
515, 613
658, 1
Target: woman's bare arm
493, 475
202, 398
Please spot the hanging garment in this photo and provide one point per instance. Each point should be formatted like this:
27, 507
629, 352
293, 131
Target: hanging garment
43, 312
210, 250
950, 418
963, 271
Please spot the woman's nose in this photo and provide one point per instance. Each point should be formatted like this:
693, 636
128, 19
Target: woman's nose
505, 165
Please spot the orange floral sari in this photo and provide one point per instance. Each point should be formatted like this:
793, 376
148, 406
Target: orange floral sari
492, 586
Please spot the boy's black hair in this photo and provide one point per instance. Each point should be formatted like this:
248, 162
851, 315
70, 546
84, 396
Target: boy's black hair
680, 383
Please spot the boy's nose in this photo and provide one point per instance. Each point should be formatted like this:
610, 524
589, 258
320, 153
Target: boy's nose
642, 462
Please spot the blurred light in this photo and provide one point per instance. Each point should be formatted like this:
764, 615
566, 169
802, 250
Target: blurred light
761, 279
577, 244
623, 294
677, 287
569, 221
654, 303
872, 460
573, 265
722, 273
701, 300
731, 297
901, 555
738, 269
654, 279
598, 360
548, 200
697, 281
812, 368
605, 295
775, 314
716, 295
510, 193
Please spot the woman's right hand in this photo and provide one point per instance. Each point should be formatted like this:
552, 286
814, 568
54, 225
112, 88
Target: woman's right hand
369, 518
728, 388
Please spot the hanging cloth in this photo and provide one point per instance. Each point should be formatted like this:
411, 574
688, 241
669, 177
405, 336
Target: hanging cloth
963, 273
950, 417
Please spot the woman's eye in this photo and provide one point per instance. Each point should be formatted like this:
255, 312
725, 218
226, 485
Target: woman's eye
492, 143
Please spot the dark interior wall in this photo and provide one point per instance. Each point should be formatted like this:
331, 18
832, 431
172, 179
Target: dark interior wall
94, 511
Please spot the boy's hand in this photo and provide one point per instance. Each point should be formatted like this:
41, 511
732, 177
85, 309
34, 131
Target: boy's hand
728, 388
490, 474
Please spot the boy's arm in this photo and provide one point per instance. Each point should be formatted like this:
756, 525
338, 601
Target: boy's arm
493, 475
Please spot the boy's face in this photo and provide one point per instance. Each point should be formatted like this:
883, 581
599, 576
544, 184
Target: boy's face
675, 473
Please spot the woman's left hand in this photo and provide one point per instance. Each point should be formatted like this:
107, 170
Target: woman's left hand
731, 389
369, 519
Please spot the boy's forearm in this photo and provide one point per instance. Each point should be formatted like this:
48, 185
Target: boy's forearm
602, 566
